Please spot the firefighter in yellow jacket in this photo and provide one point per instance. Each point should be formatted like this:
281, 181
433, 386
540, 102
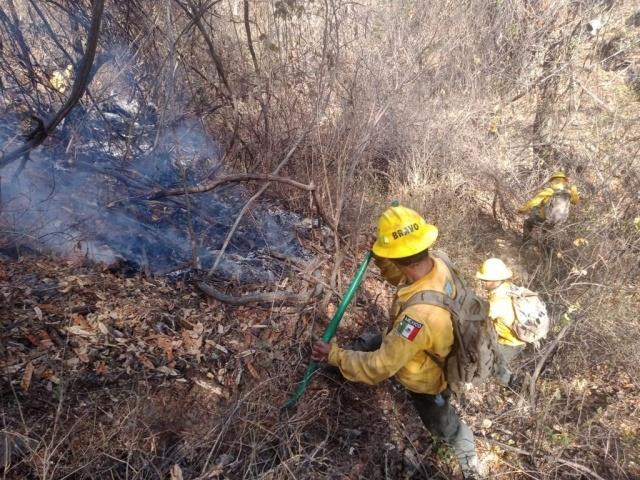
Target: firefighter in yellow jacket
60, 79
418, 335
550, 206
495, 277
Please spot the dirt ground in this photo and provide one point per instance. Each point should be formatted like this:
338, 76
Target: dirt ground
112, 377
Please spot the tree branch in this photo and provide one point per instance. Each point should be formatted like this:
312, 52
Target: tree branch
247, 27
549, 350
240, 177
196, 16
244, 177
213, 184
80, 85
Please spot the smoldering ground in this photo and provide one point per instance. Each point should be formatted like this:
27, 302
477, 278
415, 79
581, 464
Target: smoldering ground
83, 191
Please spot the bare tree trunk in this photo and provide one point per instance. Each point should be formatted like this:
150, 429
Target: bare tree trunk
543, 124
545, 128
45, 128
247, 27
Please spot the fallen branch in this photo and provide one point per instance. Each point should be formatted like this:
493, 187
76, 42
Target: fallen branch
45, 128
581, 468
549, 350
241, 177
266, 297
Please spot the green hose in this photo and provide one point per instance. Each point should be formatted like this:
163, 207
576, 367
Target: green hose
331, 328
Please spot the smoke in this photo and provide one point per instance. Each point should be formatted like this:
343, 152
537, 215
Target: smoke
80, 194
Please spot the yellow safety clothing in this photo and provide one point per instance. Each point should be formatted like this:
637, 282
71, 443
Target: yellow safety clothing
494, 270
544, 195
402, 232
60, 79
414, 331
502, 315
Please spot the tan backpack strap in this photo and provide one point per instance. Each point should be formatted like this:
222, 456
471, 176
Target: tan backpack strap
437, 299
445, 258
437, 360
429, 297
456, 278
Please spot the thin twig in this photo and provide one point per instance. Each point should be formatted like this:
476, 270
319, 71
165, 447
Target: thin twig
549, 350
195, 260
250, 202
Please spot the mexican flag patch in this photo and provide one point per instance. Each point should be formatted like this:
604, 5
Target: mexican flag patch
409, 328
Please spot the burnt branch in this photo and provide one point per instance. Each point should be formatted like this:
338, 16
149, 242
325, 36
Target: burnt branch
245, 177
210, 185
266, 297
241, 177
39, 135
218, 182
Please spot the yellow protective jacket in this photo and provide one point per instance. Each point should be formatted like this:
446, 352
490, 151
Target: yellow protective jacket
414, 331
544, 195
502, 315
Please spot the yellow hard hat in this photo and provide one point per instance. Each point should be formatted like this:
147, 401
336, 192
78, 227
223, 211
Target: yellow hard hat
558, 174
402, 232
494, 270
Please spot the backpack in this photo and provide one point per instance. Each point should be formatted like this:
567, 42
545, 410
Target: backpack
532, 320
475, 349
556, 210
